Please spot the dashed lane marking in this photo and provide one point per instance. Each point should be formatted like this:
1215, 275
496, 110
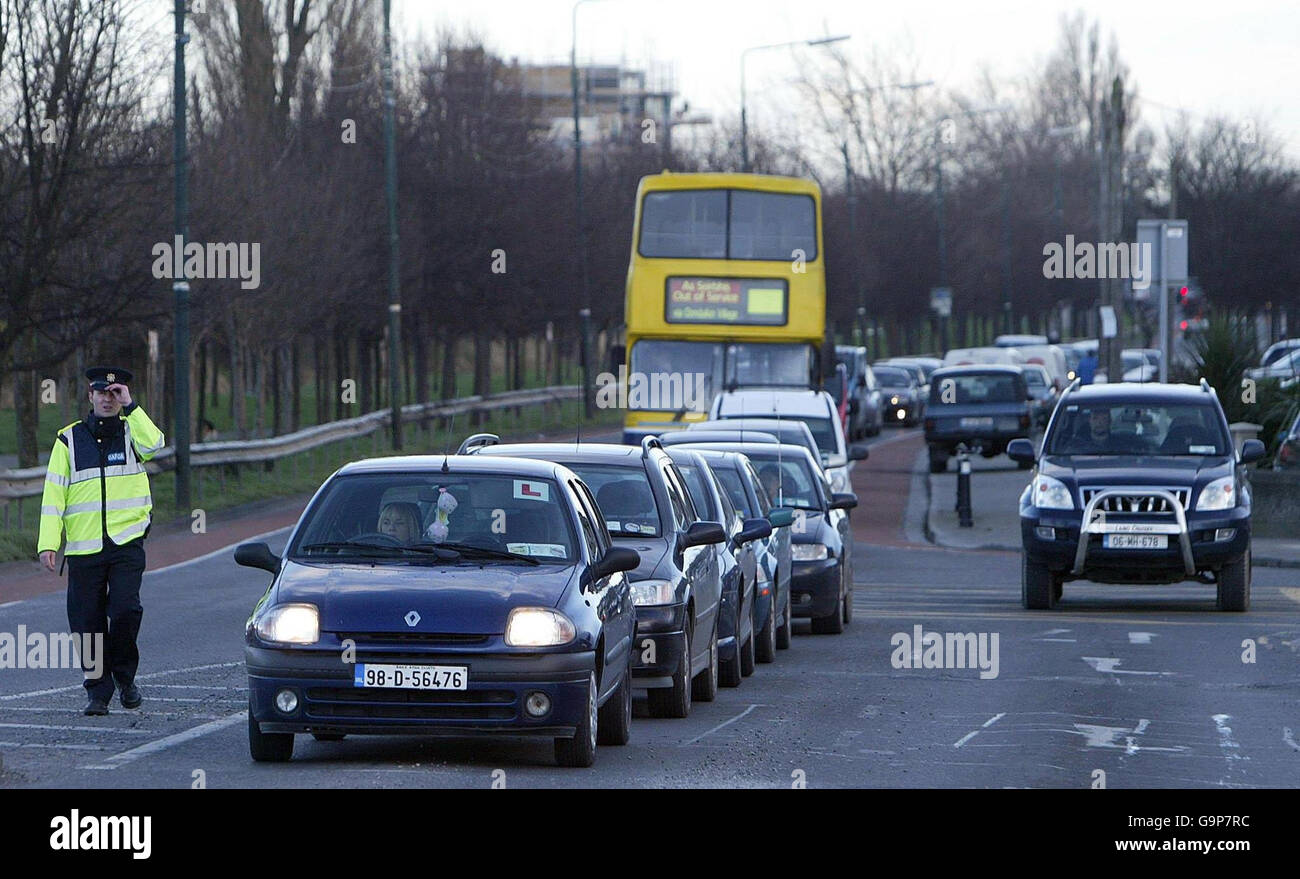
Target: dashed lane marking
171, 741
973, 733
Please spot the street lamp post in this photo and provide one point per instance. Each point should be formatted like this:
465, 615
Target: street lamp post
744, 118
394, 279
181, 286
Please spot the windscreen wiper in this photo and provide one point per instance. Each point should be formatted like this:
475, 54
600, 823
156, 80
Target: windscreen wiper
468, 549
382, 549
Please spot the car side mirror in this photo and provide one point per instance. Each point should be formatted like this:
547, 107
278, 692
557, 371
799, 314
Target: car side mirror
843, 501
615, 559
1252, 450
858, 452
753, 529
1021, 450
703, 533
781, 517
257, 555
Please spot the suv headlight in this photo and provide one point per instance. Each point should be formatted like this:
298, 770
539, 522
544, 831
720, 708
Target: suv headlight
1221, 494
1051, 494
650, 592
538, 627
289, 624
839, 480
808, 552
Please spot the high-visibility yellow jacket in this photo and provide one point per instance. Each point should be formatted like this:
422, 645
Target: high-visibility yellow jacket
98, 485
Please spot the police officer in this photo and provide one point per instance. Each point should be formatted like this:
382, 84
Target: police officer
97, 491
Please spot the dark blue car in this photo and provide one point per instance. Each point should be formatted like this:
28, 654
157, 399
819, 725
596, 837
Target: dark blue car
444, 595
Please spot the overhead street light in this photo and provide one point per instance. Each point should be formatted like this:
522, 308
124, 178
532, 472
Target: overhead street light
744, 120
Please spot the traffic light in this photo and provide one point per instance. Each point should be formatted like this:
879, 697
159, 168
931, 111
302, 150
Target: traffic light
1182, 294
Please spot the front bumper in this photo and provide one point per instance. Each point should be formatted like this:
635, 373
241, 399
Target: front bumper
814, 588
1078, 553
660, 645
492, 703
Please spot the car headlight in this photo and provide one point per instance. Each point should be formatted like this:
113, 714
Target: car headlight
893, 401
839, 480
808, 552
538, 627
651, 592
1221, 494
1051, 494
289, 624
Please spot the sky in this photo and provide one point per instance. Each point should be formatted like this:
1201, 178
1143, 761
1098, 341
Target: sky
1237, 58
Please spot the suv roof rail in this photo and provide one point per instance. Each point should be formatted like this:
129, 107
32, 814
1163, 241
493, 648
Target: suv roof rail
648, 443
1074, 385
1205, 386
477, 441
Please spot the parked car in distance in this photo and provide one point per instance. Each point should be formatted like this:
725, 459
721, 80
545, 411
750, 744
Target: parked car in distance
1287, 456
928, 365
1278, 350
1042, 390
978, 406
1019, 340
1137, 483
465, 631
1284, 368
677, 588
982, 356
903, 393
866, 409
1051, 357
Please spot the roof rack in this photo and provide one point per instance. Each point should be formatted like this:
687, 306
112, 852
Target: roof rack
648, 443
477, 441
1205, 386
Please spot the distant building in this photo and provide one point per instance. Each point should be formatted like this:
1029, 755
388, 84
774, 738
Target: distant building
613, 100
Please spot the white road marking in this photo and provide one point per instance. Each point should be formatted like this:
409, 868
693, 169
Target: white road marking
193, 687
10, 604
96, 729
1291, 593
1106, 737
1140, 637
1109, 665
151, 675
721, 725
1056, 632
166, 742
973, 733
1232, 750
58, 747
1059, 640
1289, 738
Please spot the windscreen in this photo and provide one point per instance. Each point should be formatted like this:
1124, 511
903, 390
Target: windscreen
408, 516
789, 482
728, 224
975, 388
893, 377
1138, 428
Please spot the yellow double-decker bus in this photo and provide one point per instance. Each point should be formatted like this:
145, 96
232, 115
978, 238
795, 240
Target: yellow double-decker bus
726, 288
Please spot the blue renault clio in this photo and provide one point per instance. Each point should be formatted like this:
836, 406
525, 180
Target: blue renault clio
444, 595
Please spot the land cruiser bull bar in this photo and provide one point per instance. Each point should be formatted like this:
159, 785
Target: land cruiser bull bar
1102, 524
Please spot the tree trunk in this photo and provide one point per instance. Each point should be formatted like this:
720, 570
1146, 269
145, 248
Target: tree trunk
237, 415
203, 389
318, 377
482, 368
421, 357
364, 384
448, 388
295, 386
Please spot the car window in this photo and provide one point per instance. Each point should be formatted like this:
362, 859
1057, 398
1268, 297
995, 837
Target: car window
678, 497
598, 525
585, 518
789, 482
976, 388
729, 511
731, 483
404, 516
696, 486
1116, 427
624, 497
1035, 378
760, 493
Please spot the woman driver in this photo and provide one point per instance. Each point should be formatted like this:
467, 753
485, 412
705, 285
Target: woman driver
400, 520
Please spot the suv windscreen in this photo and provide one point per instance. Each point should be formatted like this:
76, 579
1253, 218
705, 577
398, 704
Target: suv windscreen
409, 515
624, 496
1133, 428
975, 388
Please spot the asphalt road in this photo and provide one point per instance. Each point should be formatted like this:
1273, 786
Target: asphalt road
1144, 684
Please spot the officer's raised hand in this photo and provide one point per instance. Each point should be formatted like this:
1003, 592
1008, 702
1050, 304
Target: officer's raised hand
121, 393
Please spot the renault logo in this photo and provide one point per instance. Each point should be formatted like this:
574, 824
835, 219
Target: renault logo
412, 618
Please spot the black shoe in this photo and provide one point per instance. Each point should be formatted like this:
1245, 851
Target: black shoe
131, 697
96, 706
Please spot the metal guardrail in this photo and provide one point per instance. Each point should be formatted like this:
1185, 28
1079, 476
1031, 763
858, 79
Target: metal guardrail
30, 482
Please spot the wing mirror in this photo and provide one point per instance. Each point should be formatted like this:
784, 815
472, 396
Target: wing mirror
1021, 450
615, 559
843, 501
753, 529
781, 517
257, 555
703, 533
858, 452
1252, 450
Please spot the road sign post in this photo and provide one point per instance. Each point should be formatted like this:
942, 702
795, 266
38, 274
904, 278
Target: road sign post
1167, 240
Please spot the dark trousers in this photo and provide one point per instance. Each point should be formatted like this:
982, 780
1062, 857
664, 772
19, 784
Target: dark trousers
104, 598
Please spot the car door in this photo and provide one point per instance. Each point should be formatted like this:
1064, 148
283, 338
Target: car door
611, 595
698, 563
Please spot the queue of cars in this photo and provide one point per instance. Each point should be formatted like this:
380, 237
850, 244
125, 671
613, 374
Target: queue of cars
529, 589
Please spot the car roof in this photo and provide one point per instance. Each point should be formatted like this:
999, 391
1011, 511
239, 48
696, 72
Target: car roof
757, 450
756, 422
1146, 391
787, 401
719, 435
976, 368
455, 464
611, 453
